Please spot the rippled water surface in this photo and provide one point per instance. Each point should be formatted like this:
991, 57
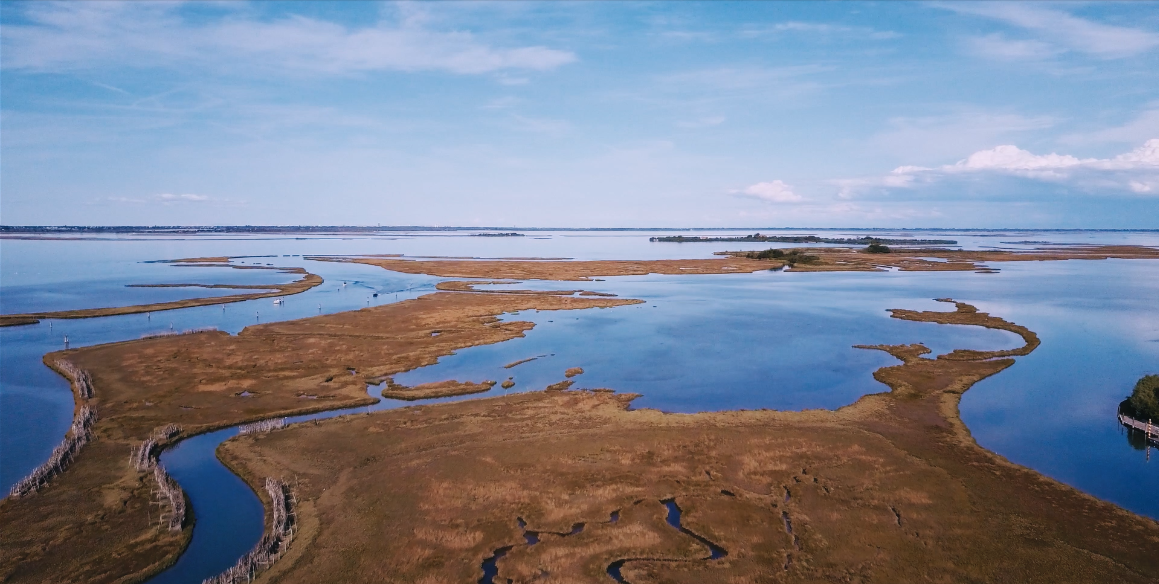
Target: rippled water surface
715, 342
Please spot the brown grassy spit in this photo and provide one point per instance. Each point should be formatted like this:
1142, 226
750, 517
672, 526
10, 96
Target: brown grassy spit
94, 523
829, 259
306, 282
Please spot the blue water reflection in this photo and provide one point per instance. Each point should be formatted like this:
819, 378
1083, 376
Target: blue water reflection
721, 342
36, 404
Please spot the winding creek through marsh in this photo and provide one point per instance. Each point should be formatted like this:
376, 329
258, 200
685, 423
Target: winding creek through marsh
229, 516
764, 340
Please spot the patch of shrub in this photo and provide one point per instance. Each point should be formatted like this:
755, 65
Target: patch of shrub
791, 257
767, 254
1143, 404
876, 247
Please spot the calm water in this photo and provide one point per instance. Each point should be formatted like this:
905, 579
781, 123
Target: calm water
721, 342
764, 340
36, 404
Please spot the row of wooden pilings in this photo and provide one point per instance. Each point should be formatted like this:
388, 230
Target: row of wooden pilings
1149, 429
79, 434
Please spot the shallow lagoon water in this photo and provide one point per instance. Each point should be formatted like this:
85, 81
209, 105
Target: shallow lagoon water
719, 342
775, 340
36, 404
42, 276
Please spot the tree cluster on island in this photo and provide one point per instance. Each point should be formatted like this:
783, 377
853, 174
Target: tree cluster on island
790, 257
757, 237
1143, 403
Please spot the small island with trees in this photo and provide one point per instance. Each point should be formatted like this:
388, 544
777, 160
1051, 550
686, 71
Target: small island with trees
1143, 403
1140, 413
757, 237
791, 257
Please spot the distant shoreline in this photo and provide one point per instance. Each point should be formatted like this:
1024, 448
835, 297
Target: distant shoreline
8, 230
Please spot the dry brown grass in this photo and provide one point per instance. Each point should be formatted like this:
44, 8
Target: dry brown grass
437, 389
555, 269
828, 260
94, 523
889, 489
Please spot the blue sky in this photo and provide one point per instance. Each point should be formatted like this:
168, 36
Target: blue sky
980, 114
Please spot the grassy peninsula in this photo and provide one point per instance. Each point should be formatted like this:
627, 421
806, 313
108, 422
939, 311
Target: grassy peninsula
889, 489
211, 380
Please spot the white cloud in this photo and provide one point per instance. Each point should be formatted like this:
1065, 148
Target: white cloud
164, 199
505, 102
549, 126
1064, 29
1014, 159
70, 36
1142, 127
705, 122
927, 139
169, 197
850, 187
1143, 187
786, 78
820, 28
775, 192
1136, 171
997, 46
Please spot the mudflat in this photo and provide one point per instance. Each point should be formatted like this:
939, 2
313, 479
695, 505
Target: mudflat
95, 522
573, 486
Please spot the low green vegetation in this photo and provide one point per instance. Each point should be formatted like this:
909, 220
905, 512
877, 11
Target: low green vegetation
1143, 404
876, 247
802, 239
791, 257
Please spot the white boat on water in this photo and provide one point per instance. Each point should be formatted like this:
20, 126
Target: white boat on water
279, 301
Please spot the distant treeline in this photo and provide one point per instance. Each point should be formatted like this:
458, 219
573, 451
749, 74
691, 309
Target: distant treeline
757, 237
512, 234
188, 229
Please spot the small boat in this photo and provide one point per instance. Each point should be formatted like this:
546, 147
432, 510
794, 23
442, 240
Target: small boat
279, 301
376, 294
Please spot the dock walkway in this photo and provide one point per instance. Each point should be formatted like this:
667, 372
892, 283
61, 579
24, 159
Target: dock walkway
1148, 428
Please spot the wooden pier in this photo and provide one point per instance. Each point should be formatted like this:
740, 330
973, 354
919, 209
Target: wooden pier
1148, 428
